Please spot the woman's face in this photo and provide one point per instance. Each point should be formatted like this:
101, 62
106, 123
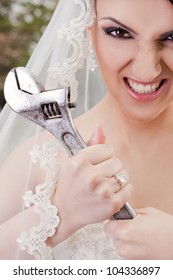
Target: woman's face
133, 41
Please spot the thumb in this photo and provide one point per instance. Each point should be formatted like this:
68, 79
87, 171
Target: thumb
98, 136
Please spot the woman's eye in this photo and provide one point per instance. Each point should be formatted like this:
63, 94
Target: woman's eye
169, 38
119, 33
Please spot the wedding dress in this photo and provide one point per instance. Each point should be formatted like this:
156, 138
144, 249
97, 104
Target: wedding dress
89, 243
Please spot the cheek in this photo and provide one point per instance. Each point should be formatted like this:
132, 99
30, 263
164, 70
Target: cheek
114, 55
167, 58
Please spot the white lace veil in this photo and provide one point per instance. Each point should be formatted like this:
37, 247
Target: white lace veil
59, 60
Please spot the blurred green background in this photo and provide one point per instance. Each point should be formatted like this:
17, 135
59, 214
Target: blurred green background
22, 23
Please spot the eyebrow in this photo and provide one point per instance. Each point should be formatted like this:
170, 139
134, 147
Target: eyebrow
119, 23
161, 37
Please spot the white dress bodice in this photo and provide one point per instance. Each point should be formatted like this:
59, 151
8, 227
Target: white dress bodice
89, 243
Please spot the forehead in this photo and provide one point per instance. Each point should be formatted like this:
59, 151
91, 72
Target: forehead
138, 14
140, 5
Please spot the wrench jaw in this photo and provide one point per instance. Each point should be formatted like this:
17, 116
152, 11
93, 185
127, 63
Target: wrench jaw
18, 89
48, 109
27, 81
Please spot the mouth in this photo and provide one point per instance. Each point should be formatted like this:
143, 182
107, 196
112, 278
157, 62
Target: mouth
143, 91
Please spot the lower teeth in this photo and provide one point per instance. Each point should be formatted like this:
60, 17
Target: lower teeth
144, 92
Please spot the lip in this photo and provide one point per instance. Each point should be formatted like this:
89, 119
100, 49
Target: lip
147, 97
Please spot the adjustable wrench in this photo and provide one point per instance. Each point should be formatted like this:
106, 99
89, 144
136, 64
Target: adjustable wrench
51, 110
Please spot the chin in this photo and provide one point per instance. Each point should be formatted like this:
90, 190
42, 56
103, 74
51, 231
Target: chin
142, 116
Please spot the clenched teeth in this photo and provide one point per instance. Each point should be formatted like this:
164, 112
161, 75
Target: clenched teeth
143, 89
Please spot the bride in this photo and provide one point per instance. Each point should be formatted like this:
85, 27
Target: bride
54, 206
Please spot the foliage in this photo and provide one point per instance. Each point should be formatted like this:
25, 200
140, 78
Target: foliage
21, 25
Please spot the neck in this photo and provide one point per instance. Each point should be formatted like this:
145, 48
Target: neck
131, 130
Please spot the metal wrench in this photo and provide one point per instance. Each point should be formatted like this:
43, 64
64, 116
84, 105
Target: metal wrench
51, 110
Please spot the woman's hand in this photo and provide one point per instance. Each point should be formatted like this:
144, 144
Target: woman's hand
148, 236
87, 191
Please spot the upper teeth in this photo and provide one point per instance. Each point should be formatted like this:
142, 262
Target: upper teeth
140, 88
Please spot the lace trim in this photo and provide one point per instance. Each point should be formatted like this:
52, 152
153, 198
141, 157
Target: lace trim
34, 241
89, 242
75, 34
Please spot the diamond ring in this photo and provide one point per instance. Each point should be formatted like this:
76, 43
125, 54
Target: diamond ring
121, 178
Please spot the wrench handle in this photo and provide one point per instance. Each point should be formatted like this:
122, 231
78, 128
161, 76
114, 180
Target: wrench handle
73, 142
126, 213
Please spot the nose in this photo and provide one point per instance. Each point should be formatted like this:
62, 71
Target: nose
146, 65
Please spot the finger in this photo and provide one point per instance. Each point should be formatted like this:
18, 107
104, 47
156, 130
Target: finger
111, 228
96, 154
144, 211
115, 229
122, 196
107, 187
98, 136
109, 167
